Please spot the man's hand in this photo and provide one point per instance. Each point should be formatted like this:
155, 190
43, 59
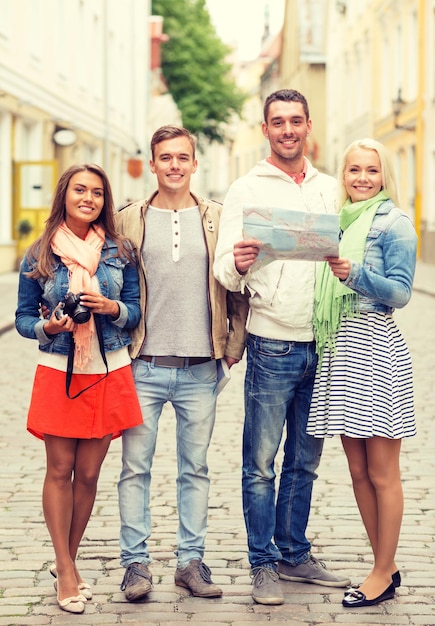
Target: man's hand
245, 254
230, 361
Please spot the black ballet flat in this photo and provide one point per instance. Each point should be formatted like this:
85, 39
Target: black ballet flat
355, 598
396, 578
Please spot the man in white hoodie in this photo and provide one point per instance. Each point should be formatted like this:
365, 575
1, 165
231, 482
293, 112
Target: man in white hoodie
281, 357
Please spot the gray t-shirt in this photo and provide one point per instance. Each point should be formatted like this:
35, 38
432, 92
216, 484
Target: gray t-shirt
176, 262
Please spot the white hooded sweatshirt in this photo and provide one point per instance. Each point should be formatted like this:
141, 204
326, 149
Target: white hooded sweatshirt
282, 292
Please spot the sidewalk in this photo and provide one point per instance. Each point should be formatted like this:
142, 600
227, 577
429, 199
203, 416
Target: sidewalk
8, 300
424, 280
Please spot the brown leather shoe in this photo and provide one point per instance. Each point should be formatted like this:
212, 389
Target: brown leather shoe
137, 582
197, 578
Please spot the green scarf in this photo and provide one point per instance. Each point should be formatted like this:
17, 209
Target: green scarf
332, 298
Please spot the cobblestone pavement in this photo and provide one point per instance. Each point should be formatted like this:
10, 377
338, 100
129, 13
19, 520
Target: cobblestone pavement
27, 596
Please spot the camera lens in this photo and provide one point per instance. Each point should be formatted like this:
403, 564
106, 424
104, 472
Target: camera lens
81, 315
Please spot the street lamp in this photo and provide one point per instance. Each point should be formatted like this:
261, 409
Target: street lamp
398, 104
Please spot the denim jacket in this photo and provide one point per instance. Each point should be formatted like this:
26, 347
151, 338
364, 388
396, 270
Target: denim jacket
384, 278
118, 280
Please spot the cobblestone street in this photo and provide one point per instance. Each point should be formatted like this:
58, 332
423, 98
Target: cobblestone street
27, 595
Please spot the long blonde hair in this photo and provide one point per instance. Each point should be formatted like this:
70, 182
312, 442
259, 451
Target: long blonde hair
388, 177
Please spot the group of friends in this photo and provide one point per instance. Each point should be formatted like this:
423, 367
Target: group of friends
168, 287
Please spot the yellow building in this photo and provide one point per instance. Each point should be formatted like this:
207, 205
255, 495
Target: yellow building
303, 66
375, 86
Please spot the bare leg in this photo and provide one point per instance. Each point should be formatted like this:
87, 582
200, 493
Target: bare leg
374, 467
363, 489
384, 471
57, 502
90, 455
73, 468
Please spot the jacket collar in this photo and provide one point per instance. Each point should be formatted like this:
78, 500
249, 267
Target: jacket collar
201, 202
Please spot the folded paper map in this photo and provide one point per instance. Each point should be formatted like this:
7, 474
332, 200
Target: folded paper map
286, 234
223, 375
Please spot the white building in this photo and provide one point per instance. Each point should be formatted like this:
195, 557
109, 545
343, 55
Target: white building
76, 66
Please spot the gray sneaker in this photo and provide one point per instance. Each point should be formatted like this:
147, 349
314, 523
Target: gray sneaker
137, 582
266, 587
312, 571
197, 578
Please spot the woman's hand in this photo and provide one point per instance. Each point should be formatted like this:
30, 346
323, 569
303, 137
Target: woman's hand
97, 303
56, 325
340, 267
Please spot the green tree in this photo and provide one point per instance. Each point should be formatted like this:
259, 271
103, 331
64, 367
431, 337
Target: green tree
195, 68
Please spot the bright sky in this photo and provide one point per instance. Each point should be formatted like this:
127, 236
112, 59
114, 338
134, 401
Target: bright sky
242, 21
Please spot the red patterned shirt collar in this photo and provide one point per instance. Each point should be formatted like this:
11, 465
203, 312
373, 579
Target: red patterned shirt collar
298, 178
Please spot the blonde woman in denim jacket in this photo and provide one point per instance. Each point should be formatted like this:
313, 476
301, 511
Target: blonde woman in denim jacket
79, 252
363, 390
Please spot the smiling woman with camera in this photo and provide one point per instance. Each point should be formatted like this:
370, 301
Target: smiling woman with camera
83, 276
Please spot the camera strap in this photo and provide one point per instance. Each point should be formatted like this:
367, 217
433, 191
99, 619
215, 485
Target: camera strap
70, 364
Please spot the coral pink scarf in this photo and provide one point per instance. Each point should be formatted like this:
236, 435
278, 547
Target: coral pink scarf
81, 256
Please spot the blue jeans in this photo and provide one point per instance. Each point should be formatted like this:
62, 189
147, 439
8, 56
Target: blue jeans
192, 392
278, 386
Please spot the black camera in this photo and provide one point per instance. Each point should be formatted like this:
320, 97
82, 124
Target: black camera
72, 307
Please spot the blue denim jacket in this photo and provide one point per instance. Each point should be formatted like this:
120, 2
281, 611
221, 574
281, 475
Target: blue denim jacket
384, 279
118, 280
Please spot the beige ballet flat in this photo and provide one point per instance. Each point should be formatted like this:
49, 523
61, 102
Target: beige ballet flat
74, 604
81, 595
84, 588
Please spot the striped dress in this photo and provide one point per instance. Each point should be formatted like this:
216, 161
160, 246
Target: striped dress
365, 389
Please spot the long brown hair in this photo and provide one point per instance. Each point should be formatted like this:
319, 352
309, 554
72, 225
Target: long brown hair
41, 250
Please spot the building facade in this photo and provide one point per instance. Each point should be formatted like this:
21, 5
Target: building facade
380, 83
74, 87
80, 81
367, 70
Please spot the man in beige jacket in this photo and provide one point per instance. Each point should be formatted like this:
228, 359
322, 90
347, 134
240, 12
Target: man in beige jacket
189, 322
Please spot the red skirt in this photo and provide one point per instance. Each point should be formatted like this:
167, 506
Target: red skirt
109, 407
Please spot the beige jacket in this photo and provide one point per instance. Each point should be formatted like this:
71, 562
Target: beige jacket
228, 311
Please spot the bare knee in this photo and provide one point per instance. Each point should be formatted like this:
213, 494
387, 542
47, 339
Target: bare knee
88, 477
89, 459
59, 472
359, 473
382, 480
